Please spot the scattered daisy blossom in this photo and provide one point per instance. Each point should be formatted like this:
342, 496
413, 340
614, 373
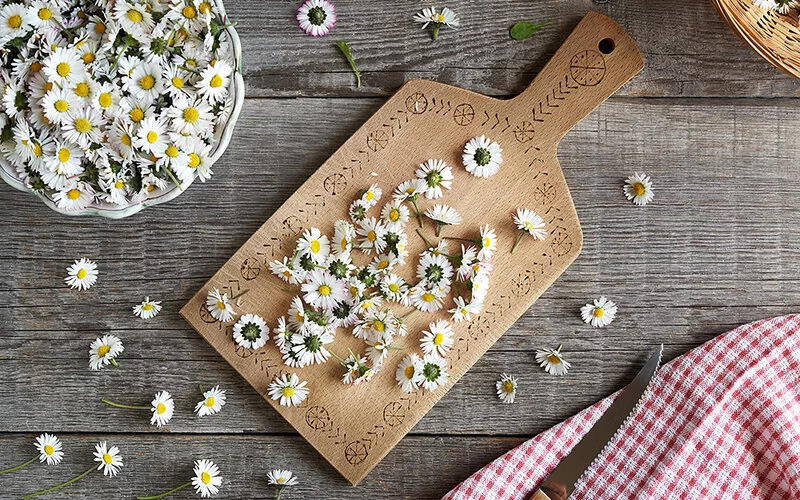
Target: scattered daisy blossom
207, 478
552, 361
434, 372
220, 306
213, 401
531, 223
288, 389
251, 332
430, 16
109, 459
599, 313
443, 215
506, 388
482, 157
49, 447
437, 176
147, 309
437, 339
82, 274
104, 350
162, 408
281, 478
639, 189
316, 17
409, 373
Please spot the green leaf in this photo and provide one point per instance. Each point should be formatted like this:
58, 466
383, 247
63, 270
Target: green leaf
349, 56
524, 29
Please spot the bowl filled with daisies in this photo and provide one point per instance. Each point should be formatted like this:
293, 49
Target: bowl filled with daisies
113, 106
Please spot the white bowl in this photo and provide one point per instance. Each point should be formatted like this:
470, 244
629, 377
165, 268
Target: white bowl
222, 136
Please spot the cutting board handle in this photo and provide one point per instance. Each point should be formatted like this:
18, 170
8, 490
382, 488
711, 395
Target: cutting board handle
597, 58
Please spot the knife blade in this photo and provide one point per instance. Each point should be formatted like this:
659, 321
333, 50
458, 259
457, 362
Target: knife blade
560, 483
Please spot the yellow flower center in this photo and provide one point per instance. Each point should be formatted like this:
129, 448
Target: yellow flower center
63, 155
135, 16
287, 392
125, 139
189, 12
209, 401
147, 306
281, 480
409, 371
394, 288
190, 62
172, 151
151, 188
378, 325
205, 8
119, 185
638, 189
147, 82
82, 89
88, 58
152, 136
221, 305
83, 125
598, 312
216, 81
369, 196
99, 28
190, 115
48, 86
137, 115
324, 290
36, 66
62, 69
299, 317
45, 14
74, 194
107, 458
177, 82
315, 246
487, 242
508, 386
372, 236
394, 215
15, 21
102, 351
161, 408
438, 18
105, 100
554, 359
61, 106
205, 477
428, 297
37, 150
438, 339
48, 449
353, 291
194, 160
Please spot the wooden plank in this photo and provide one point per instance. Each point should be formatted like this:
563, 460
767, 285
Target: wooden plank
689, 50
418, 468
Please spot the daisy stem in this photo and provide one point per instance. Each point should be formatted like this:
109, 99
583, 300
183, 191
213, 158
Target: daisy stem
280, 490
239, 295
438, 229
418, 214
127, 407
517, 243
18, 467
59, 486
427, 242
340, 360
459, 239
166, 493
190, 70
128, 42
113, 362
409, 313
436, 27
172, 177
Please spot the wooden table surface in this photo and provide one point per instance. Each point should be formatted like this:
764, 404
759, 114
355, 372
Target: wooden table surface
714, 125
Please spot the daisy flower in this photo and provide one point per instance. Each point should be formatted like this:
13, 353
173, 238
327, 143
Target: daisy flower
162, 407
531, 223
281, 478
152, 135
147, 309
191, 116
104, 350
437, 19
145, 82
443, 215
134, 18
309, 346
316, 17
49, 448
409, 373
487, 243
463, 310
639, 189
437, 339
356, 370
286, 271
434, 372
393, 287
358, 210
370, 197
74, 196
426, 299
64, 67
395, 215
599, 313
15, 21
82, 274
322, 290
109, 459
57, 104
82, 126
207, 478
506, 388
220, 306
343, 235
213, 83
434, 269
482, 157
314, 245
213, 401
288, 389
552, 361
437, 176
250, 332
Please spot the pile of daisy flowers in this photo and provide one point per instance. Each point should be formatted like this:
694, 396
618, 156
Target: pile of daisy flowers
112, 101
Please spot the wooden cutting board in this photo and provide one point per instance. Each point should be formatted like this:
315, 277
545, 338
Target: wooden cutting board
355, 427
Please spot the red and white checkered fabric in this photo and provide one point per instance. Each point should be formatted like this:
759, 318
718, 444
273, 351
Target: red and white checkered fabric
719, 422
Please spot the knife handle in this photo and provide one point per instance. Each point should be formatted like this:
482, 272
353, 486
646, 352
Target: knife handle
539, 495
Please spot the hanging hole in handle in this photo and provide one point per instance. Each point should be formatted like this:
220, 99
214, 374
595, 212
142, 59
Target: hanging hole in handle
606, 46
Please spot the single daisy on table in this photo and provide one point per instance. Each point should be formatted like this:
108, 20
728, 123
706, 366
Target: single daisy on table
464, 310
599, 312
410, 191
639, 189
207, 478
409, 373
147, 309
482, 157
251, 332
395, 215
213, 401
426, 299
281, 478
443, 215
506, 388
434, 372
314, 245
531, 223
104, 351
309, 346
49, 448
82, 274
322, 290
316, 17
552, 361
437, 19
487, 243
109, 461
358, 210
371, 196
437, 339
219, 305
288, 389
162, 407
437, 176
356, 370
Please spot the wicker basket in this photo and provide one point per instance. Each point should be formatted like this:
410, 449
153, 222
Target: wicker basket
774, 36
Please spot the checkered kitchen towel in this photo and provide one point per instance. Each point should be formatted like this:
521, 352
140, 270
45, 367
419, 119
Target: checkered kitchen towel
721, 421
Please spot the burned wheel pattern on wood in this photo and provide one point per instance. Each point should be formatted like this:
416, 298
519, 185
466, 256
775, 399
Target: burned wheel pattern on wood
394, 414
205, 314
417, 103
250, 270
335, 184
587, 68
377, 140
521, 285
355, 452
317, 417
545, 193
524, 132
464, 114
561, 243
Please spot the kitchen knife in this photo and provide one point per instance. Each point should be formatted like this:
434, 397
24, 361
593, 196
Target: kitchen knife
560, 483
